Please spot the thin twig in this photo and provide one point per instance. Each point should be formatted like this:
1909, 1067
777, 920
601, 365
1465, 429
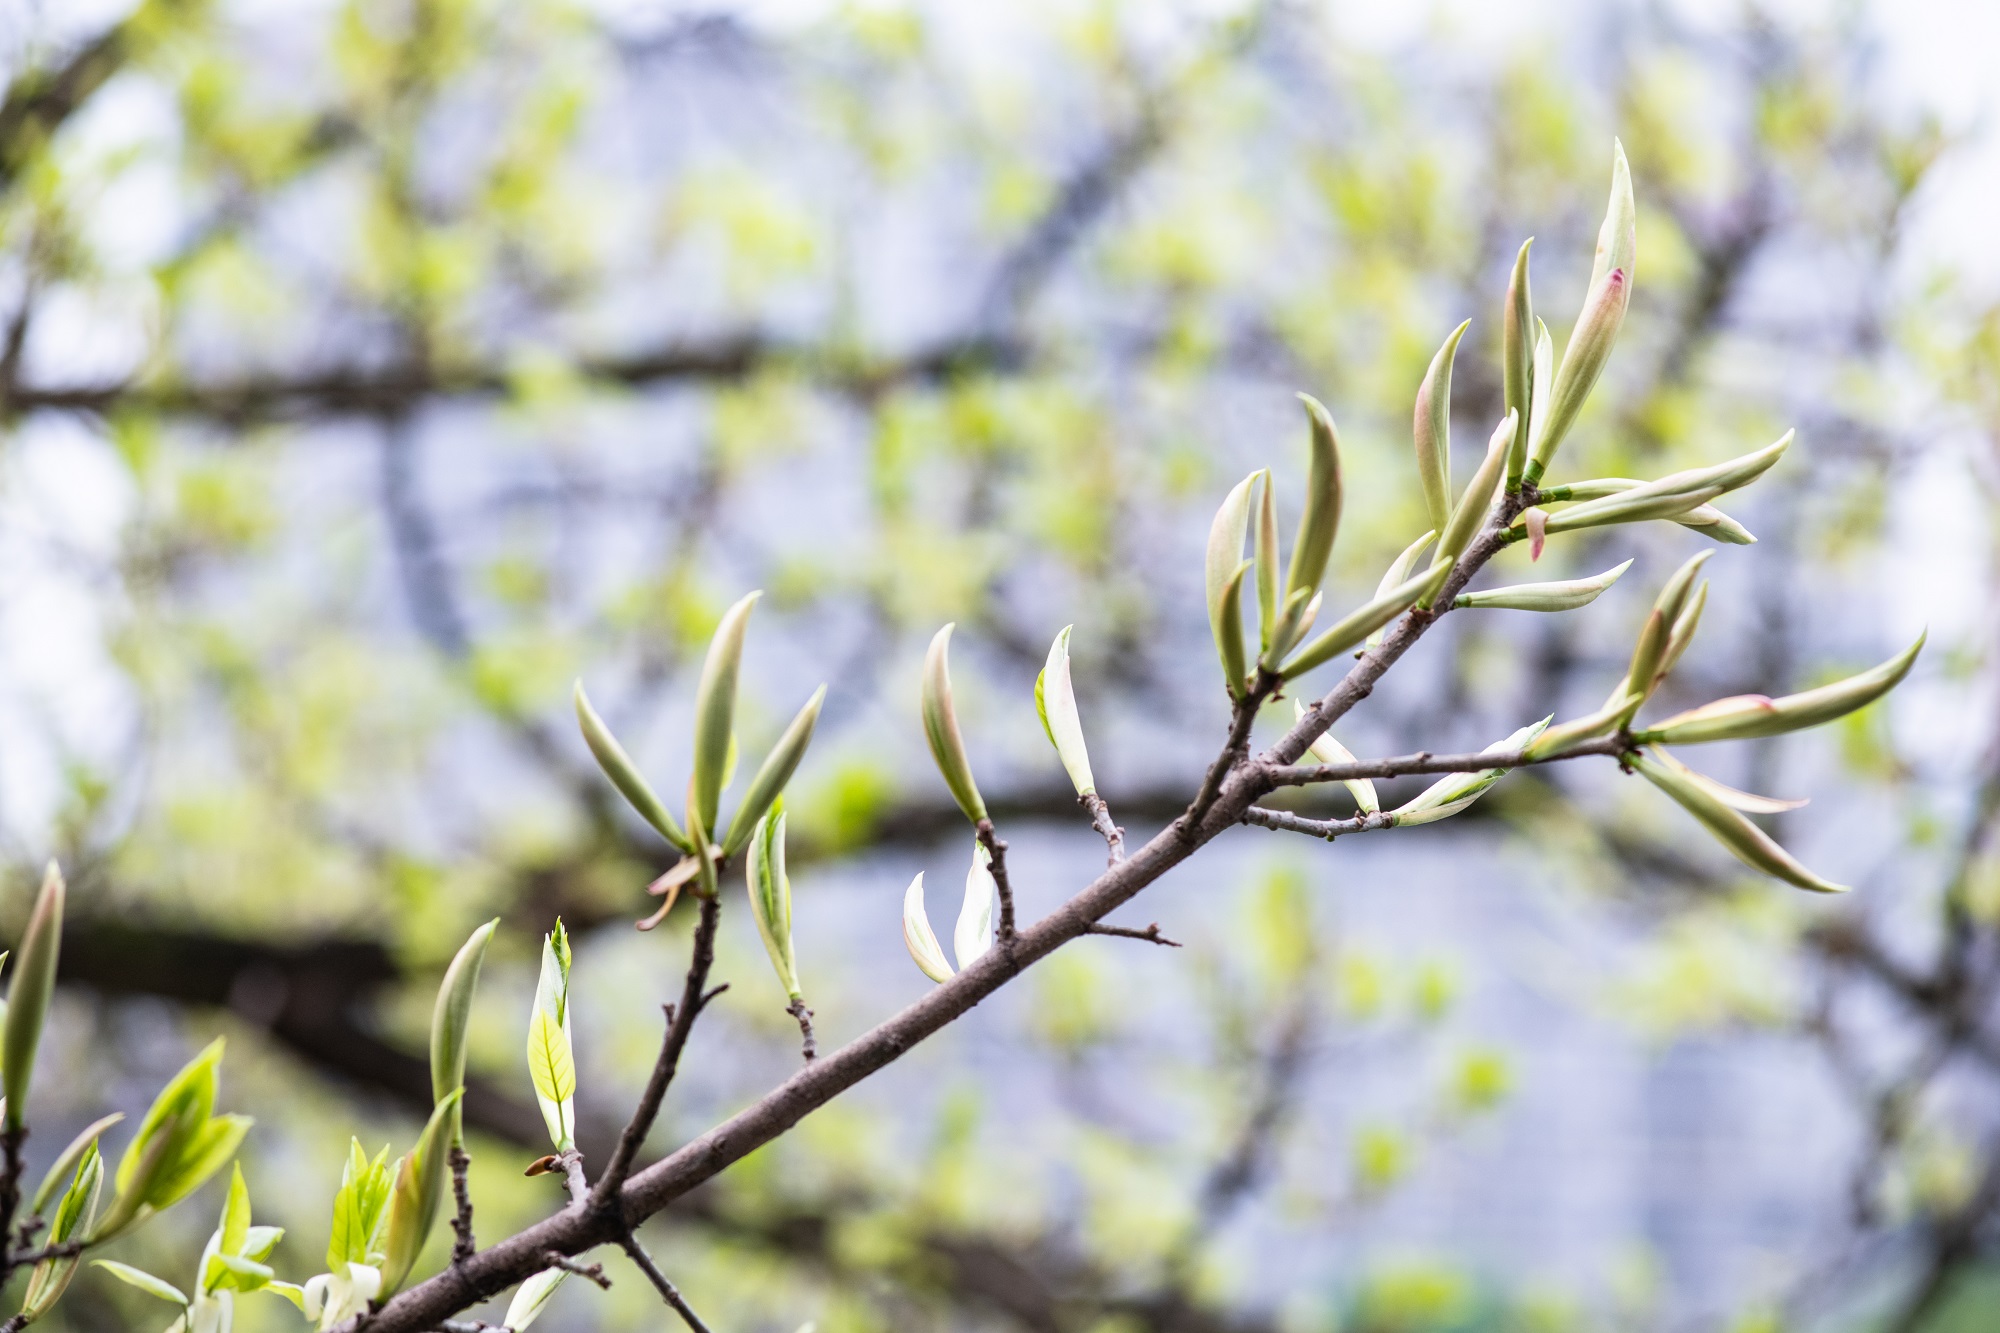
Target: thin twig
680, 1023
1236, 785
68, 1249
1423, 761
578, 1185
588, 1272
996, 853
797, 1009
668, 1291
1287, 822
1100, 819
463, 1246
10, 1187
1242, 718
1151, 934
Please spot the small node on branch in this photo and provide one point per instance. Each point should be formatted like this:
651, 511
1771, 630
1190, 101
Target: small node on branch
1151, 934
588, 1272
797, 1009
463, 1247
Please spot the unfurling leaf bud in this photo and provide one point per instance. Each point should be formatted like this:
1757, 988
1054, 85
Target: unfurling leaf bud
28, 993
715, 714
1301, 609
1748, 802
773, 774
1517, 362
1432, 427
771, 896
918, 937
1604, 305
453, 1014
530, 1297
1451, 795
1330, 751
414, 1198
1685, 625
1472, 505
1320, 521
1671, 496
941, 728
1649, 654
551, 1061
1229, 631
1359, 624
1399, 570
1267, 560
974, 933
178, 1146
1748, 843
625, 775
1055, 702
1746, 716
1561, 739
1564, 596
1225, 553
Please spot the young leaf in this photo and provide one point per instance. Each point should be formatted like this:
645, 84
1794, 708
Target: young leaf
1319, 524
28, 994
1398, 571
1567, 595
413, 1199
974, 935
67, 1159
1746, 716
1604, 305
1452, 794
1267, 559
773, 774
941, 728
1748, 802
1330, 751
1478, 496
452, 1014
1358, 624
918, 937
1055, 702
1672, 496
1225, 555
144, 1281
1517, 362
1432, 427
715, 712
771, 896
529, 1299
624, 774
1649, 654
551, 1066
1748, 843
1235, 669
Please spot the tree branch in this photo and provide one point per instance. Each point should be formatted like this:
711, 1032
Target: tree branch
581, 1227
695, 995
668, 1291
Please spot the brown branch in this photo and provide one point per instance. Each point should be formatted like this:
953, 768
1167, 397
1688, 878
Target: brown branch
1286, 822
1423, 761
463, 1246
695, 995
996, 854
797, 1009
1100, 819
668, 1291
582, 1227
1151, 934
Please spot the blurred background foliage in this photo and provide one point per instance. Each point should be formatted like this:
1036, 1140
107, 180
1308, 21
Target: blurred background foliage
371, 369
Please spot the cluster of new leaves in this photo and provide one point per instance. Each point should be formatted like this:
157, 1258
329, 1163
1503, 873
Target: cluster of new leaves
385, 1212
